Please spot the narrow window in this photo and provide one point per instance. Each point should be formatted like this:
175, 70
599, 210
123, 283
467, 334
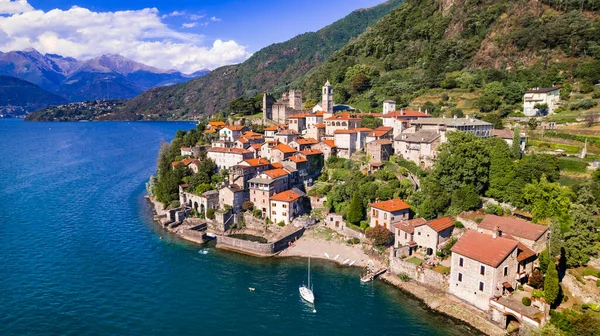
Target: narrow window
482, 270
481, 286
505, 270
459, 277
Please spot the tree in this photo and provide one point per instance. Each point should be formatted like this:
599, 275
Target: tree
547, 200
556, 240
516, 144
532, 124
210, 213
551, 286
542, 109
309, 104
379, 235
465, 198
462, 160
502, 169
579, 242
370, 121
544, 259
355, 210
247, 206
494, 119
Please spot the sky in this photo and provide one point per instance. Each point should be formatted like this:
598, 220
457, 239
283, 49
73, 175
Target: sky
185, 35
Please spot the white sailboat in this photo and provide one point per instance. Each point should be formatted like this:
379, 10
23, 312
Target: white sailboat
306, 291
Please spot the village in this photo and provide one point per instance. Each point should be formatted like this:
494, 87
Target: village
265, 201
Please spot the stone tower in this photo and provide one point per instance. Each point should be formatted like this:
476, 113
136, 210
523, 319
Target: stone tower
327, 98
295, 99
267, 106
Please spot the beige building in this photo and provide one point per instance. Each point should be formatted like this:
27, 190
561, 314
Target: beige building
483, 267
265, 185
286, 136
379, 150
281, 152
316, 131
341, 122
420, 147
387, 212
226, 158
192, 164
328, 148
431, 236
285, 206
233, 196
548, 96
303, 143
297, 122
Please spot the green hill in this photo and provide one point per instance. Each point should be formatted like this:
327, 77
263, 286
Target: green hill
18, 97
272, 68
487, 51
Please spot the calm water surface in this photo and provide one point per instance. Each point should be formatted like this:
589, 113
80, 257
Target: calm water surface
80, 255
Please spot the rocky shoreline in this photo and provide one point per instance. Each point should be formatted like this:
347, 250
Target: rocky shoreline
435, 300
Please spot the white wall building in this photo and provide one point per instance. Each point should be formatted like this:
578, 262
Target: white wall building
548, 96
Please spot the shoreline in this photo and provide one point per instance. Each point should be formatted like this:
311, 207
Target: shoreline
315, 247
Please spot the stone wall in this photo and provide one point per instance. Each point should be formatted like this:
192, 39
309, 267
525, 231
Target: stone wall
336, 223
469, 224
317, 202
254, 223
255, 248
420, 274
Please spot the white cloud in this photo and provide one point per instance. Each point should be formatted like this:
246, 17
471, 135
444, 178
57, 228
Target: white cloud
189, 25
174, 13
14, 6
196, 17
137, 34
215, 19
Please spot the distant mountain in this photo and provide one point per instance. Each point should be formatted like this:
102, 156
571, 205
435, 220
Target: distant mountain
18, 97
272, 68
105, 77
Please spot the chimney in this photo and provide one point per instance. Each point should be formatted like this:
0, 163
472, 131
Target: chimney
419, 108
426, 112
455, 117
497, 232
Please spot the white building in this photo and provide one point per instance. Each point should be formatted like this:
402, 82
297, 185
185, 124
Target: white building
419, 147
231, 133
507, 135
548, 96
226, 158
285, 206
389, 106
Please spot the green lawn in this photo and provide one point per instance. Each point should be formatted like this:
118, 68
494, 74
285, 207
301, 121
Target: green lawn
550, 146
415, 260
572, 165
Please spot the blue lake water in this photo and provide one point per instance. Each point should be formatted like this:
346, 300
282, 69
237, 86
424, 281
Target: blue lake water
80, 255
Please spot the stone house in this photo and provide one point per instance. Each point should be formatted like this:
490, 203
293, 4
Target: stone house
191, 163
297, 122
316, 131
379, 150
420, 147
241, 173
483, 267
286, 136
233, 196
381, 132
387, 212
255, 149
534, 236
286, 205
549, 96
479, 128
315, 118
226, 158
327, 147
418, 233
265, 185
281, 152
200, 203
231, 133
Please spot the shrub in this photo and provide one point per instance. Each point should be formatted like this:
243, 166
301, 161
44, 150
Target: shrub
597, 283
458, 225
592, 272
247, 206
282, 223
537, 294
379, 235
404, 277
536, 280
520, 287
526, 301
257, 213
174, 205
210, 213
353, 241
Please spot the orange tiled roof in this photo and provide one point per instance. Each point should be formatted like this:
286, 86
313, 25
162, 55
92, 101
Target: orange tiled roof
256, 146
284, 148
363, 129
276, 173
410, 225
257, 162
307, 141
484, 248
343, 116
384, 128
243, 140
319, 125
210, 131
277, 165
286, 196
391, 205
186, 162
298, 158
377, 133
297, 116
441, 224
235, 128
344, 131
271, 128
216, 123
310, 151
330, 143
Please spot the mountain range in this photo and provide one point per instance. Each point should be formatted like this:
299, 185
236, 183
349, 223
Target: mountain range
108, 76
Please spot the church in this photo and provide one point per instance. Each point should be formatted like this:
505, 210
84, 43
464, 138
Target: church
290, 105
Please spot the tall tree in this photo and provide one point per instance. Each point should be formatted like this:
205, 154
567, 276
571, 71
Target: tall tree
580, 239
547, 200
355, 210
502, 169
516, 144
551, 286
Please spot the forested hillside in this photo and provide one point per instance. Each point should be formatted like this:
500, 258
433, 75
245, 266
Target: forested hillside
499, 48
18, 97
270, 69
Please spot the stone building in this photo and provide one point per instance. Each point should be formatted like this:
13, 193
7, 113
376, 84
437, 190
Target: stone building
483, 267
420, 147
387, 212
241, 173
266, 185
389, 106
297, 122
303, 143
381, 132
418, 233
281, 152
534, 236
286, 136
316, 131
279, 111
479, 128
191, 163
327, 98
233, 196
328, 148
343, 121
379, 150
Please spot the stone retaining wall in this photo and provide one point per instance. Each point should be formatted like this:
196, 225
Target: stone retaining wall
418, 273
256, 248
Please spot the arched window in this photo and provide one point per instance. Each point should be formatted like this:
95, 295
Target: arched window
344, 123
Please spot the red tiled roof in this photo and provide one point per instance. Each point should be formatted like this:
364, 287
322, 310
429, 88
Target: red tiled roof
216, 123
524, 252
271, 128
441, 224
186, 162
277, 165
344, 131
284, 148
287, 132
297, 158
243, 140
410, 225
391, 205
210, 131
319, 125
484, 248
363, 129
343, 116
235, 128
228, 150
307, 141
378, 134
297, 116
286, 196
257, 162
384, 128
275, 173
513, 226
407, 113
310, 151
330, 143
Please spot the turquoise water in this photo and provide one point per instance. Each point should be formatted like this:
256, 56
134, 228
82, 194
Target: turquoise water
80, 255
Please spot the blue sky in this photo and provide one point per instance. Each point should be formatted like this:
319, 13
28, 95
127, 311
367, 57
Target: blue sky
253, 24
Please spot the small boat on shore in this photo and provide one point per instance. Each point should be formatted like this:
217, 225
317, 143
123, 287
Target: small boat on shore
352, 263
346, 261
211, 235
327, 255
336, 257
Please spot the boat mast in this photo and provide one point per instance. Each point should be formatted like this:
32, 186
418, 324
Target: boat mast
308, 272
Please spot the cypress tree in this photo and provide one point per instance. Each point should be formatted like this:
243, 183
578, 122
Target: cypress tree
516, 144
355, 210
551, 286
